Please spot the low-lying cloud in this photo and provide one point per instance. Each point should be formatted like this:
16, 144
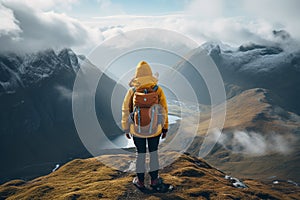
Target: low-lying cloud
231, 30
283, 14
65, 93
256, 144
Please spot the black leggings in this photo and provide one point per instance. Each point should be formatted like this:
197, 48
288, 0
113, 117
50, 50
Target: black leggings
140, 144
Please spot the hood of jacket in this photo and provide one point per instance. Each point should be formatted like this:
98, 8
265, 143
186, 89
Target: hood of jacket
143, 76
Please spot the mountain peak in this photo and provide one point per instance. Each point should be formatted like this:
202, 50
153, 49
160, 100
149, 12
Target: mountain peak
88, 178
70, 58
27, 69
214, 43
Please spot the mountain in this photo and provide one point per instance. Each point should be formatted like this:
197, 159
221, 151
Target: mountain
259, 140
191, 177
37, 130
273, 67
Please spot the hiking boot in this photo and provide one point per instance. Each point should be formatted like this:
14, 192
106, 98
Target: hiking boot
157, 184
139, 184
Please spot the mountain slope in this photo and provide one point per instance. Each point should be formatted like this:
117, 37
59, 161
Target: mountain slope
256, 110
36, 122
191, 177
257, 133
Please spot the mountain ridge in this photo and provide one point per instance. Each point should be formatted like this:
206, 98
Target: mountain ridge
270, 66
191, 177
274, 67
256, 132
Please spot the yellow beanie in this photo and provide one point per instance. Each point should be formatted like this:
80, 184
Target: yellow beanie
143, 69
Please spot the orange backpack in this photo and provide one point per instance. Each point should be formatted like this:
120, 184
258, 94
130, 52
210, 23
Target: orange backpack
146, 111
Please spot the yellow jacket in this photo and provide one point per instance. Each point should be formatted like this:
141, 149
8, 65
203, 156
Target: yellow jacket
143, 79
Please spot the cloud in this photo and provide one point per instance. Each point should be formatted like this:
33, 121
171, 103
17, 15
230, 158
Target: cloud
230, 30
45, 5
9, 25
256, 144
233, 31
30, 29
118, 24
33, 25
229, 22
65, 93
236, 20
284, 14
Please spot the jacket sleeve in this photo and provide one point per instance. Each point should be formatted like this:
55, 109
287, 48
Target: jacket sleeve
163, 103
127, 105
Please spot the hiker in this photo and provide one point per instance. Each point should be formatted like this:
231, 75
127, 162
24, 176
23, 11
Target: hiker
145, 122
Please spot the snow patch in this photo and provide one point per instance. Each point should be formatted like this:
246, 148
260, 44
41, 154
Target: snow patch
292, 182
236, 182
55, 168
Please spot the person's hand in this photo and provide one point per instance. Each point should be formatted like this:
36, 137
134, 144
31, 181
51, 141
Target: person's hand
164, 133
128, 136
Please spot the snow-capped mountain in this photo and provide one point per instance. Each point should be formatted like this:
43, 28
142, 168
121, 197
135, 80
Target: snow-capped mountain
272, 109
274, 67
26, 70
36, 121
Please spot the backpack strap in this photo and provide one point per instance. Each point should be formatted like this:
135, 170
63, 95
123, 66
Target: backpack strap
152, 117
139, 119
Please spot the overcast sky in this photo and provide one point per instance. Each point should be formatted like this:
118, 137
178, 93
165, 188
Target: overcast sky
31, 25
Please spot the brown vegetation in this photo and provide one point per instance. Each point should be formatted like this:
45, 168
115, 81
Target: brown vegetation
191, 177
